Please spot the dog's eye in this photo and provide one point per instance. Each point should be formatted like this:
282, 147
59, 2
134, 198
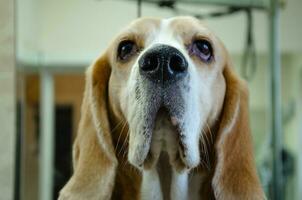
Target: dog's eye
126, 49
203, 49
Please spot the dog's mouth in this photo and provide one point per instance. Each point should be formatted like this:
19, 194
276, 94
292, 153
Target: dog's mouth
167, 136
164, 128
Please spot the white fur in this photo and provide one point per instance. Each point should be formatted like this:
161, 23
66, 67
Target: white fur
179, 186
151, 188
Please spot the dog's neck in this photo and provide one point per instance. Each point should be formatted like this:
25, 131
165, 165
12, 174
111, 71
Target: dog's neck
161, 180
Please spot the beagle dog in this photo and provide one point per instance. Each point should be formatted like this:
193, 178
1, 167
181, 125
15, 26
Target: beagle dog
164, 116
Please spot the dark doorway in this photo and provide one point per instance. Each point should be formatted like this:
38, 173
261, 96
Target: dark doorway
63, 147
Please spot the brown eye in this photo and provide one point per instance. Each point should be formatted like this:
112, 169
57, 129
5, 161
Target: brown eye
203, 49
126, 49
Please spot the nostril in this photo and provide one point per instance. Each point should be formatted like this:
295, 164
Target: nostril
150, 63
177, 63
163, 64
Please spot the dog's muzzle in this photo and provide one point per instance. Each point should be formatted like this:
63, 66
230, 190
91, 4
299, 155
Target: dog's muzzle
164, 78
163, 64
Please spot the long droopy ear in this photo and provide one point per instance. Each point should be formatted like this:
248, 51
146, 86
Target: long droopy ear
93, 153
235, 175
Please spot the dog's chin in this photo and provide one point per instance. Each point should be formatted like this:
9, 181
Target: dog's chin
182, 155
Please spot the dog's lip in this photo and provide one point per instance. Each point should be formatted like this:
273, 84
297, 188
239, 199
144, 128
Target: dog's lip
164, 114
164, 111
174, 120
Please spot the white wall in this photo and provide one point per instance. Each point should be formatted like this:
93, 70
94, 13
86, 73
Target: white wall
77, 30
7, 100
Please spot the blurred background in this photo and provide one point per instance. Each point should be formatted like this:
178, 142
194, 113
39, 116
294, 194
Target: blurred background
46, 45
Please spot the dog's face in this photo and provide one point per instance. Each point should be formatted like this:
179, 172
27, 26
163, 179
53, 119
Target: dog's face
167, 82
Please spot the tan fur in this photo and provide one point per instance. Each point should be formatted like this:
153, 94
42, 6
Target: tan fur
235, 175
94, 159
101, 169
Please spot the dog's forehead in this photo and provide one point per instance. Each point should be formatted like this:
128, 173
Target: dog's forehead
166, 29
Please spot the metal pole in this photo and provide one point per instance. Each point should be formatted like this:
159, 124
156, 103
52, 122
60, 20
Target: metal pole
46, 147
299, 172
139, 8
276, 114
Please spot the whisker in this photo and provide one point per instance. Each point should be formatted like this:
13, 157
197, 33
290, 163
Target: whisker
205, 150
210, 132
118, 124
121, 132
118, 140
124, 157
123, 143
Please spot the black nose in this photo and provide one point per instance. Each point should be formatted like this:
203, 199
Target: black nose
163, 63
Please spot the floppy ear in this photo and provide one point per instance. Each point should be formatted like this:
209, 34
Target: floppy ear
93, 153
235, 175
